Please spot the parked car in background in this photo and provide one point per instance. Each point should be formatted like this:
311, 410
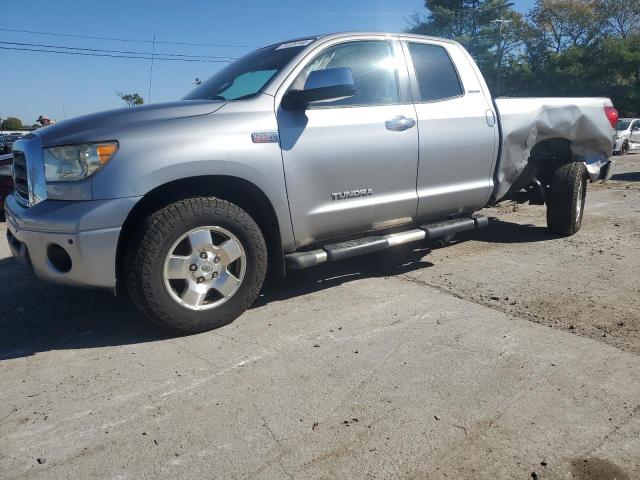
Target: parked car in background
6, 142
6, 177
627, 135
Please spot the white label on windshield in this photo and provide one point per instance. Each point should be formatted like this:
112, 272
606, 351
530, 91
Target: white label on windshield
299, 43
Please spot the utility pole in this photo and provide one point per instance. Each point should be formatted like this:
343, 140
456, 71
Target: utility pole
153, 53
500, 21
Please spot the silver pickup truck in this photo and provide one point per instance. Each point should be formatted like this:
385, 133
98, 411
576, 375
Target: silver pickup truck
303, 152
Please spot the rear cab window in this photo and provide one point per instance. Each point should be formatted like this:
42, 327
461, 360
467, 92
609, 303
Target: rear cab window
436, 75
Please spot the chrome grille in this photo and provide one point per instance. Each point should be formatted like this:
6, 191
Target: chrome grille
20, 178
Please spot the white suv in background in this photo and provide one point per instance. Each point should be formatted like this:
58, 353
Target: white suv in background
627, 135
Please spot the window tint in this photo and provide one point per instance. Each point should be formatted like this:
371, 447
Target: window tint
437, 78
374, 68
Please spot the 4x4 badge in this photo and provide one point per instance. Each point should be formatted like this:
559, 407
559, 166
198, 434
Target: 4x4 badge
265, 137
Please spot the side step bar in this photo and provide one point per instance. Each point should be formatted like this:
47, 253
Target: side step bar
361, 246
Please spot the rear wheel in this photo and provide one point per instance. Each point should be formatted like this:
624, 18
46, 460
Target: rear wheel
196, 265
567, 193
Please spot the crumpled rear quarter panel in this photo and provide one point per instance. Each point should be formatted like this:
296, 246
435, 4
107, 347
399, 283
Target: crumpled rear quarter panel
528, 121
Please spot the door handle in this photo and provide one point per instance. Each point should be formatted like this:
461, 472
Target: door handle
491, 118
400, 124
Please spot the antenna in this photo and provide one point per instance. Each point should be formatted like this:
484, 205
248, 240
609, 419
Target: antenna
500, 21
153, 53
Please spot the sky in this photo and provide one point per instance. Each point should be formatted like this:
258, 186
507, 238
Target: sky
65, 86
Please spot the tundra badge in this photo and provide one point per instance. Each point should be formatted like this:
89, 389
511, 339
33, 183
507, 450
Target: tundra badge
365, 192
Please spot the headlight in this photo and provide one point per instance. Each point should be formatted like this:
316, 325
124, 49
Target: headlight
76, 162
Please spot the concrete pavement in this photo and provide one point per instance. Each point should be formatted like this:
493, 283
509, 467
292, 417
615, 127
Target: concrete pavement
341, 373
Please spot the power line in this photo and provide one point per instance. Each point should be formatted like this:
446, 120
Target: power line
126, 52
87, 54
117, 39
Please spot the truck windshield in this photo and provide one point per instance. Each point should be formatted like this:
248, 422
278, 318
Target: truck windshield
248, 75
623, 125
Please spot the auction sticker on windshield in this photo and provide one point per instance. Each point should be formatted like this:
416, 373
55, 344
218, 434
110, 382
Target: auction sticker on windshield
298, 43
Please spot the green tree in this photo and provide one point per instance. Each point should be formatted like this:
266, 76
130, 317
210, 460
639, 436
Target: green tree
623, 16
489, 29
560, 48
569, 23
131, 99
11, 123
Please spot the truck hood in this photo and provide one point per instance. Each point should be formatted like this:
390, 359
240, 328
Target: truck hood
94, 126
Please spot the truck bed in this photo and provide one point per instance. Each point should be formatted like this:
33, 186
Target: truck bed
524, 122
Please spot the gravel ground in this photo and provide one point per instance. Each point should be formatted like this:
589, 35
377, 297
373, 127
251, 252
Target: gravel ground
587, 284
508, 354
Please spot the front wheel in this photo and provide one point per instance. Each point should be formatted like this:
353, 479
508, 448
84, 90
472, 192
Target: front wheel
567, 192
196, 265
624, 148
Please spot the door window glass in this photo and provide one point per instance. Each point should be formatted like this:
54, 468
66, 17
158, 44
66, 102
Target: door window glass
437, 77
374, 68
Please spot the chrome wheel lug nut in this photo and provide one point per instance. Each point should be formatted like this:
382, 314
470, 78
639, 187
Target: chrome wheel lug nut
203, 255
200, 279
216, 260
215, 275
193, 267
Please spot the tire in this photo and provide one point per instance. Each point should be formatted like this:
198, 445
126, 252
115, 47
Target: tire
172, 241
624, 148
567, 193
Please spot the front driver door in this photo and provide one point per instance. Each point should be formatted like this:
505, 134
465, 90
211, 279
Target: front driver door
350, 165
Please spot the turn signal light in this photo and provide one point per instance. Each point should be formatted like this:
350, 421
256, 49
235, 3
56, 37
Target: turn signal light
105, 151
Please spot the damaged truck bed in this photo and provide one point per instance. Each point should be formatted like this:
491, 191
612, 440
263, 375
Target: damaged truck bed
536, 132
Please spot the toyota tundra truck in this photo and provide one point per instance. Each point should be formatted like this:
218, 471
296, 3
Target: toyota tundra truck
303, 152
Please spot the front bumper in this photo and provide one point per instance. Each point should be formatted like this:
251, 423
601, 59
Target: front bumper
617, 144
87, 231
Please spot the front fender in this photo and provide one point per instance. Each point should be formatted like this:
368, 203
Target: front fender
157, 153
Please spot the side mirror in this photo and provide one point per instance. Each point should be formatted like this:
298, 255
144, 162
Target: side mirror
321, 86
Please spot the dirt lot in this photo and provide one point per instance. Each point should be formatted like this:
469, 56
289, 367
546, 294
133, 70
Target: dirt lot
508, 354
588, 284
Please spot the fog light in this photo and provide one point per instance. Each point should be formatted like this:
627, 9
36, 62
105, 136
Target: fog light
58, 258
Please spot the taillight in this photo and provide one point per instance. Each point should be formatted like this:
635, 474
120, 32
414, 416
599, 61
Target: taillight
612, 115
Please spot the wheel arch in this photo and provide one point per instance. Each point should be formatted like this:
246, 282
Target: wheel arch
548, 154
236, 190
545, 156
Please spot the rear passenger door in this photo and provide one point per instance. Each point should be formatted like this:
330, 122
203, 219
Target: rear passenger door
457, 129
